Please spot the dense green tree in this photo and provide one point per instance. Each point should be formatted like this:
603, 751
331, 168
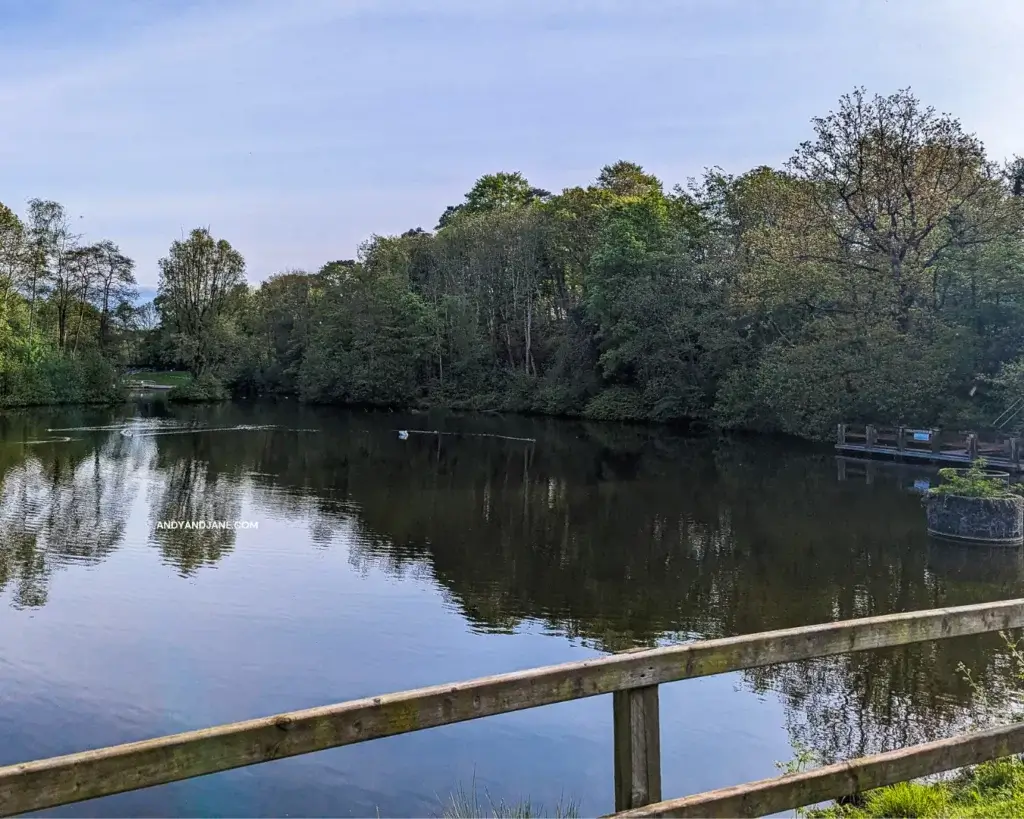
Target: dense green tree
12, 256
200, 279
496, 191
278, 327
370, 341
628, 179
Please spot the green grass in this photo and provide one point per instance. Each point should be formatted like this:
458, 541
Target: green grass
167, 378
463, 804
993, 789
203, 389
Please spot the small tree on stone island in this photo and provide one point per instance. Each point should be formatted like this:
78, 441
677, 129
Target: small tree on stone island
976, 482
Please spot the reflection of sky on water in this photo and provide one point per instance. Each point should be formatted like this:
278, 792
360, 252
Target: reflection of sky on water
279, 627
382, 564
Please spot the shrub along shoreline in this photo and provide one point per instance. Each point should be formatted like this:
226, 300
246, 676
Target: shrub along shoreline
989, 790
56, 380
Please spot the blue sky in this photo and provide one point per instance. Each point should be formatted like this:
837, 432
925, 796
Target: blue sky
297, 129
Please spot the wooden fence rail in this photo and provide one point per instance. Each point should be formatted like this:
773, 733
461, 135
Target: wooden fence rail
1001, 451
631, 677
842, 779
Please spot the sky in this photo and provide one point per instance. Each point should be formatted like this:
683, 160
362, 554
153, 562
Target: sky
296, 130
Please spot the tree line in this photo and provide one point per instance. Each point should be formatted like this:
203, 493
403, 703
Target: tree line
66, 309
878, 276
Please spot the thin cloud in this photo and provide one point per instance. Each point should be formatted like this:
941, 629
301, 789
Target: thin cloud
296, 130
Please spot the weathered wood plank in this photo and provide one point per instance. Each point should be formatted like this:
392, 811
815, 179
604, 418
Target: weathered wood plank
782, 793
89, 774
637, 747
871, 436
959, 456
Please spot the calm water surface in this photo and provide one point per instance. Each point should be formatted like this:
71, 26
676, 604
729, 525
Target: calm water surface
382, 564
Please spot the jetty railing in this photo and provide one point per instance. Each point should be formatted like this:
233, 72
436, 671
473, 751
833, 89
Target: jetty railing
631, 677
936, 445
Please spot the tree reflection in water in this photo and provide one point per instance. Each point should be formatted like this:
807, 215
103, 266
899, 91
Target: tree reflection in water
608, 535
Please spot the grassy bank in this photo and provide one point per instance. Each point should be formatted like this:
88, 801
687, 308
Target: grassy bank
992, 789
184, 388
203, 389
164, 378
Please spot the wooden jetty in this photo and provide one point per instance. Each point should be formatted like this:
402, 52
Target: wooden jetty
632, 678
148, 385
931, 445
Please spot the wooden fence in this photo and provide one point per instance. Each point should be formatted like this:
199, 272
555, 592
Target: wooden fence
632, 678
941, 446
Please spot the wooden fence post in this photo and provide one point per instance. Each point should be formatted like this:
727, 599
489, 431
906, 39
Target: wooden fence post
841, 435
1015, 453
936, 435
870, 436
972, 447
637, 747
901, 439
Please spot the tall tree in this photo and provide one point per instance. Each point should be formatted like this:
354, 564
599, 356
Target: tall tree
52, 246
12, 255
115, 286
370, 341
84, 270
495, 191
628, 179
900, 190
198, 279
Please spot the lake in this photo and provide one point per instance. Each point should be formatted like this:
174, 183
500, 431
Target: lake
365, 564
